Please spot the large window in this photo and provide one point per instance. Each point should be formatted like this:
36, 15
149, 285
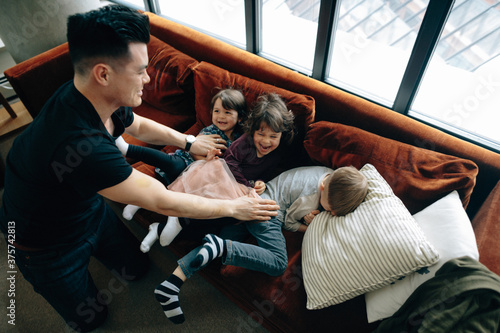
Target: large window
289, 30
221, 18
434, 60
461, 87
373, 42
132, 3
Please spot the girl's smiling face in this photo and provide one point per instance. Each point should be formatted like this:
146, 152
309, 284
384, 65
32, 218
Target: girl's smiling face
224, 119
266, 140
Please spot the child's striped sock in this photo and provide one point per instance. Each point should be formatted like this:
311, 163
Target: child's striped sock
167, 293
212, 248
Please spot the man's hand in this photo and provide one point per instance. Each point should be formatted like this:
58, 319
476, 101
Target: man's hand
259, 187
250, 209
205, 143
309, 217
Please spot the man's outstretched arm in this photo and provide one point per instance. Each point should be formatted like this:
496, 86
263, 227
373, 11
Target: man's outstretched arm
144, 191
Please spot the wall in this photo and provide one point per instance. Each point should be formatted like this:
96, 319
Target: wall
30, 27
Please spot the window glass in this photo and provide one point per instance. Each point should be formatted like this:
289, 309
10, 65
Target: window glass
289, 29
135, 3
372, 46
461, 86
221, 18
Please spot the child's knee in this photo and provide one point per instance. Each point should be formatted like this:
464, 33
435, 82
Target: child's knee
280, 267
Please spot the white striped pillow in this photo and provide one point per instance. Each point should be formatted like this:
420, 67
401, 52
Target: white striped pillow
378, 243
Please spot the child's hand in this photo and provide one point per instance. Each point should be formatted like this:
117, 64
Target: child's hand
212, 154
309, 217
259, 187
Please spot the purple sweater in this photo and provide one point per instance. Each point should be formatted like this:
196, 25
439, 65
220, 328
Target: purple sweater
241, 158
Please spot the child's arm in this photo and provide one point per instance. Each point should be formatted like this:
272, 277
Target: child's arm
307, 220
197, 157
259, 187
309, 217
234, 160
302, 228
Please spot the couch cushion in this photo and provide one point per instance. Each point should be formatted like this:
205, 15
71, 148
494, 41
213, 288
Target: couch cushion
417, 176
177, 121
378, 243
171, 86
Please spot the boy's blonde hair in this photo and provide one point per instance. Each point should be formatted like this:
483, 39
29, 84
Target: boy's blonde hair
347, 188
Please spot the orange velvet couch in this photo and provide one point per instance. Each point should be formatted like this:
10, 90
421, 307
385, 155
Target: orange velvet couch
335, 128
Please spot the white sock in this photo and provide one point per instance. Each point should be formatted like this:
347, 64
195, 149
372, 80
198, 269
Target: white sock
122, 145
129, 211
171, 230
150, 238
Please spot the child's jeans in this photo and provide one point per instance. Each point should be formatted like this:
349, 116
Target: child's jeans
269, 256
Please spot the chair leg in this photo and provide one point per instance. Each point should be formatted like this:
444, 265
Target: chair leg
7, 106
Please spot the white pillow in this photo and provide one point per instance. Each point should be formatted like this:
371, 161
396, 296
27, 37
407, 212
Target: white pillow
376, 244
447, 226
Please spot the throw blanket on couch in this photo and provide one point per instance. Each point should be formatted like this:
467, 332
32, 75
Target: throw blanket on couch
464, 296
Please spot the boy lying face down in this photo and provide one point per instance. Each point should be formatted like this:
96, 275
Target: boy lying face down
304, 192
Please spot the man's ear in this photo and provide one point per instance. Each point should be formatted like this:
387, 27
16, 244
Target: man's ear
100, 73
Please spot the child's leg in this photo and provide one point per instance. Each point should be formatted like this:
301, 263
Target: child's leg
171, 164
213, 247
269, 256
129, 211
122, 145
170, 231
150, 238
167, 293
166, 232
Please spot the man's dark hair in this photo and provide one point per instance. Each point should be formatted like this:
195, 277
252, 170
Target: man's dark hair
104, 33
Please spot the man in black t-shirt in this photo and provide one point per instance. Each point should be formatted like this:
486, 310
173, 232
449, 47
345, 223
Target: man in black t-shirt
61, 168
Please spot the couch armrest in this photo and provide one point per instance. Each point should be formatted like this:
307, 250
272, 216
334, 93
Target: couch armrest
35, 80
487, 229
